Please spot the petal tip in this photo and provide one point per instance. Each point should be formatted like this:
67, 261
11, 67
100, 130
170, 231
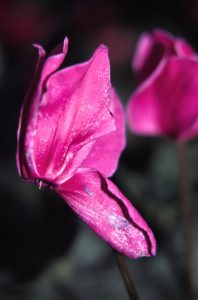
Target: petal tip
40, 49
65, 44
102, 49
153, 251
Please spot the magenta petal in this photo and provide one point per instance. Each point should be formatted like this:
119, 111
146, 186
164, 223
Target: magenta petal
142, 51
167, 102
150, 50
99, 203
154, 47
106, 151
73, 112
28, 114
55, 59
30, 110
166, 39
183, 49
143, 108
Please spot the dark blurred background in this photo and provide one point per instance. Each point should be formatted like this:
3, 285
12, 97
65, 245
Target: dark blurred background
46, 253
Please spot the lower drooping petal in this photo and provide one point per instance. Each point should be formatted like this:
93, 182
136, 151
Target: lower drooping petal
99, 203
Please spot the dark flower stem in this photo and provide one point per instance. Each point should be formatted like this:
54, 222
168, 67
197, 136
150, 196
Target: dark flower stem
185, 220
126, 276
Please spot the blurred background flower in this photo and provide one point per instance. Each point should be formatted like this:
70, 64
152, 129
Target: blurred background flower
45, 252
165, 103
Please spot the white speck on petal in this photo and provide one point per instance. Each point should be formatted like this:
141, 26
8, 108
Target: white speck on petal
89, 192
118, 222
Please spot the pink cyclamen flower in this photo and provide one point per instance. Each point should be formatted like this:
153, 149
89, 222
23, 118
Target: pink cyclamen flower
165, 102
70, 136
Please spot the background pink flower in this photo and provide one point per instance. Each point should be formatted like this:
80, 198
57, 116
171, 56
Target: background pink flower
165, 103
155, 47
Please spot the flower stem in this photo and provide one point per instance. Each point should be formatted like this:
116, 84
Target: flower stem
126, 276
185, 220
